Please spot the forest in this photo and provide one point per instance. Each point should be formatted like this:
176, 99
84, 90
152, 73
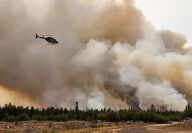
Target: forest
12, 113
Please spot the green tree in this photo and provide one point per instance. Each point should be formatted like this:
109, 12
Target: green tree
77, 111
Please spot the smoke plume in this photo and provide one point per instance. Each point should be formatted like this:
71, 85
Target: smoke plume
111, 56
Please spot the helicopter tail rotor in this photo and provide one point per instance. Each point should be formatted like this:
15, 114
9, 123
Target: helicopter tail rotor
36, 36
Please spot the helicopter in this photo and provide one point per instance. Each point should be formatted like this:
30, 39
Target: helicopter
49, 39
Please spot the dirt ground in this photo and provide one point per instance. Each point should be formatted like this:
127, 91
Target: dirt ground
55, 127
85, 127
156, 128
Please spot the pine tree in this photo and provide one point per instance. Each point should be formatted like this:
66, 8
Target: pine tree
77, 111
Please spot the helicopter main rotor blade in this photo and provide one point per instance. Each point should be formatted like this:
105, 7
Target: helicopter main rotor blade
53, 35
45, 35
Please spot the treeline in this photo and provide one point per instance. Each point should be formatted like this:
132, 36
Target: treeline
12, 113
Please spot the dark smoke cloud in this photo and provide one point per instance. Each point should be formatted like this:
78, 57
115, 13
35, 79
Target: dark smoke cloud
123, 91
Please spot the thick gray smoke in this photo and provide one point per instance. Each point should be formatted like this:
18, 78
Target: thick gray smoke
125, 92
111, 55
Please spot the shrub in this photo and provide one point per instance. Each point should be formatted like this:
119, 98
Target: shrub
11, 118
93, 125
16, 123
51, 117
113, 116
50, 124
23, 117
101, 116
160, 119
37, 117
61, 117
45, 117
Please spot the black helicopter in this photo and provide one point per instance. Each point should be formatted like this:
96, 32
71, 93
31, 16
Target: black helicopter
49, 39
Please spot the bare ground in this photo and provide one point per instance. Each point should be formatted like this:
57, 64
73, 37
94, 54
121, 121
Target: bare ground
52, 127
85, 127
156, 128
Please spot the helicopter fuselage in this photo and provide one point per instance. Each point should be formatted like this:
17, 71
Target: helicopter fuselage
48, 39
51, 40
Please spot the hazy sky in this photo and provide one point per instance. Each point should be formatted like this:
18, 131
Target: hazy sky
175, 15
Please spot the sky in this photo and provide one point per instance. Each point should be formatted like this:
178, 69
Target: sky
174, 15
